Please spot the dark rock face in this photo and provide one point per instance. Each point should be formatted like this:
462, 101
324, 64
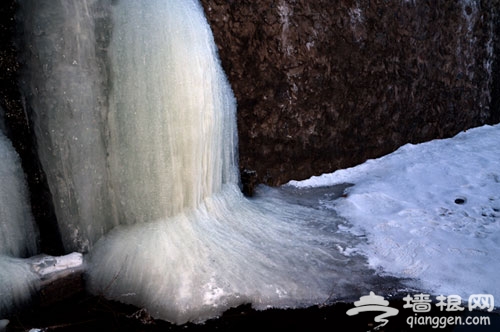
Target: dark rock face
323, 84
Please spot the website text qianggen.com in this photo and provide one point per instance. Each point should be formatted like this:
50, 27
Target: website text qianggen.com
442, 322
421, 303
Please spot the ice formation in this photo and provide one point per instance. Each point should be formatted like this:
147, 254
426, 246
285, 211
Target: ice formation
18, 283
137, 133
136, 129
430, 211
18, 234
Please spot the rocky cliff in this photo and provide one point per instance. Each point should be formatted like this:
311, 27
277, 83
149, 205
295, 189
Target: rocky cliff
323, 84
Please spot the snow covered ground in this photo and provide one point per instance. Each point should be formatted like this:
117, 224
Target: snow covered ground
430, 211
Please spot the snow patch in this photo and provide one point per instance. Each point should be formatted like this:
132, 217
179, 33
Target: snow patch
46, 265
429, 211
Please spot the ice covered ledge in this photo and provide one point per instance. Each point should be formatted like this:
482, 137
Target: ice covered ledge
60, 277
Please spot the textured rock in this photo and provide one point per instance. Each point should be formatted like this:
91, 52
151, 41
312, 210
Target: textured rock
323, 85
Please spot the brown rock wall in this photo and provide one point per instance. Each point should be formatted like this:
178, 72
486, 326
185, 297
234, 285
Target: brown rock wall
323, 85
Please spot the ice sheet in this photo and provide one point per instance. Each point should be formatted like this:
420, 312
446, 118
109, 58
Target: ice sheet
430, 211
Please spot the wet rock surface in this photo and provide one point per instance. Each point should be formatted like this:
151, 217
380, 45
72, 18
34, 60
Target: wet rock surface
323, 85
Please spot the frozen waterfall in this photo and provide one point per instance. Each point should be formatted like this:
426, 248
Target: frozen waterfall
136, 129
134, 117
18, 234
